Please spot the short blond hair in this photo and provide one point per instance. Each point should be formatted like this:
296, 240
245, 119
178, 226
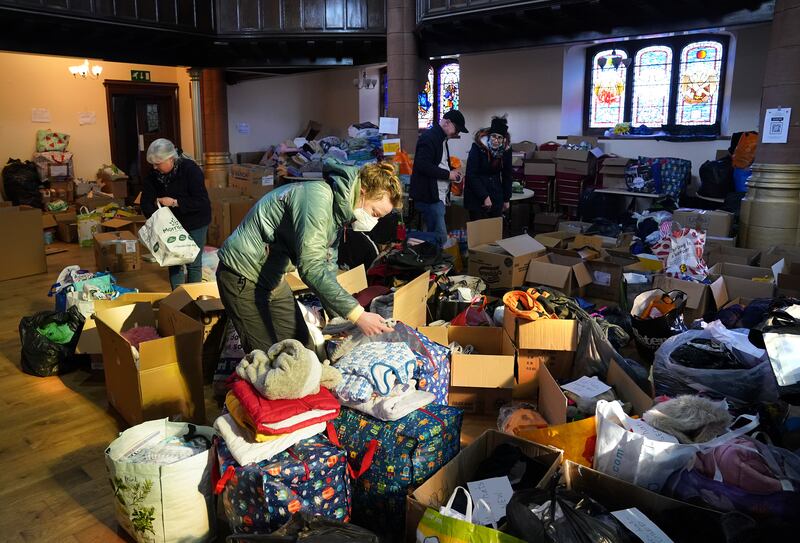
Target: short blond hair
379, 178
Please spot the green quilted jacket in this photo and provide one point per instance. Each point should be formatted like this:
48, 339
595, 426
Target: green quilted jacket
299, 224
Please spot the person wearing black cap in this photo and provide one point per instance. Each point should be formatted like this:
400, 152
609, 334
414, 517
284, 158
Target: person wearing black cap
487, 187
427, 173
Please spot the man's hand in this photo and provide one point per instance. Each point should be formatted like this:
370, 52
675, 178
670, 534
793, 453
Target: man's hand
455, 175
487, 202
372, 324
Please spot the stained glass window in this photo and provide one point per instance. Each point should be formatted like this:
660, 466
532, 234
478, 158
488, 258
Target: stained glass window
698, 91
425, 103
652, 74
607, 105
448, 88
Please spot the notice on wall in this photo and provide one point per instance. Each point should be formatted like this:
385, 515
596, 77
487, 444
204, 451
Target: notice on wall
86, 117
388, 125
776, 125
243, 128
40, 115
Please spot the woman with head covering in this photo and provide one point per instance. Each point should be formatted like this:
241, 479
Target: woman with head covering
487, 186
177, 182
297, 225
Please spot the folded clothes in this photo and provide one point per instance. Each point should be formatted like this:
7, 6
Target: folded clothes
241, 417
401, 400
245, 451
273, 417
366, 370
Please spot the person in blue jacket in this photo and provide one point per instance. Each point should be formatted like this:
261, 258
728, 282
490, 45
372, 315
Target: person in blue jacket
487, 185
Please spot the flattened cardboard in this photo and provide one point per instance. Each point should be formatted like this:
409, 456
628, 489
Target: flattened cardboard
353, 281
435, 491
89, 342
733, 255
565, 273
484, 232
411, 301
713, 223
168, 380
538, 167
25, 248
555, 240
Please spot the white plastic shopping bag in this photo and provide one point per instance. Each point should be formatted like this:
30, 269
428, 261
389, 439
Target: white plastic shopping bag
167, 240
161, 503
625, 452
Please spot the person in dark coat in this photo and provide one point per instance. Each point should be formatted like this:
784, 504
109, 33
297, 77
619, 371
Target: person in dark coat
487, 186
177, 182
427, 173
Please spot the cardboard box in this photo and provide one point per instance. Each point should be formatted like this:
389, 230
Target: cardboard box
117, 252
615, 166
89, 342
94, 200
577, 167
117, 224
728, 290
714, 241
501, 263
544, 155
575, 155
606, 277
555, 240
48, 221
459, 471
353, 281
228, 208
750, 273
788, 253
168, 379
61, 189
545, 222
788, 280
67, 226
713, 223
575, 227
733, 255
22, 242
517, 159
117, 187
614, 182
537, 167
698, 295
252, 179
615, 494
526, 148
565, 273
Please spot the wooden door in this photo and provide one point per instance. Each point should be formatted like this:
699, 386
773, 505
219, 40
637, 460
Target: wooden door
153, 121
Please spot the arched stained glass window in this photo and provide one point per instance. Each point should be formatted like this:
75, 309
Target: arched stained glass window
652, 75
607, 106
425, 103
699, 82
449, 91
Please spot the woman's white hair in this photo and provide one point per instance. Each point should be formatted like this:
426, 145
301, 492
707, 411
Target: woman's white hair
160, 150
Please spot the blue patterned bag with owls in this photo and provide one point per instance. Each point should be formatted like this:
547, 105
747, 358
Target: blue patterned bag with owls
311, 476
388, 459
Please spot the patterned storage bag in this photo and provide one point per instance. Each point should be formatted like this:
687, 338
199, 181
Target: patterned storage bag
310, 477
433, 361
390, 458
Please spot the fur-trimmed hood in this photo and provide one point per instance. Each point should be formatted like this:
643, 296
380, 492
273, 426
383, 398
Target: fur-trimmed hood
483, 133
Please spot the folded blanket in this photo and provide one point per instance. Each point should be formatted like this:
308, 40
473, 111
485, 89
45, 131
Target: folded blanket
245, 452
366, 370
272, 417
402, 400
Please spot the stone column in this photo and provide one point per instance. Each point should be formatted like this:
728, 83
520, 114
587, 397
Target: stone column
197, 112
216, 155
771, 209
402, 69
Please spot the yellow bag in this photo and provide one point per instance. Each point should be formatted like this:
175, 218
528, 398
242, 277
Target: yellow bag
576, 439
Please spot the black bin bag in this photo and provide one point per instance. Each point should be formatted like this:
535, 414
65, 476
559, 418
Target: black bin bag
42, 357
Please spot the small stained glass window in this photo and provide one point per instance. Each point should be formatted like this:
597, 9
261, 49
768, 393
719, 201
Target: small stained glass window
699, 82
607, 106
425, 103
652, 76
448, 88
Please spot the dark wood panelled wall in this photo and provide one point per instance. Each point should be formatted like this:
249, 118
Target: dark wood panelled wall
236, 16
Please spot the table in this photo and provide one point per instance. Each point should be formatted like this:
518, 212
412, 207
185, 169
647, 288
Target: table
526, 194
517, 199
635, 197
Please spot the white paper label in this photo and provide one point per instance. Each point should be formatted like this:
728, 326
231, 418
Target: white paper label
267, 180
602, 278
644, 528
86, 117
640, 427
496, 492
587, 387
130, 246
388, 125
776, 125
243, 128
40, 115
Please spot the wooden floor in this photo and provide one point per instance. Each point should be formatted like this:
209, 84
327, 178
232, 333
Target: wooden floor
53, 481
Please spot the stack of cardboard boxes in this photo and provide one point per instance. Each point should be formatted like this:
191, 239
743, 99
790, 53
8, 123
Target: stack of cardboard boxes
540, 174
576, 169
612, 172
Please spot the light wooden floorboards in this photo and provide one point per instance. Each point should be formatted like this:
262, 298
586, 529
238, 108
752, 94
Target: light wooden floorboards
53, 480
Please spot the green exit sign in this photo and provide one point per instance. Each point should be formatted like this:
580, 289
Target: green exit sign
140, 75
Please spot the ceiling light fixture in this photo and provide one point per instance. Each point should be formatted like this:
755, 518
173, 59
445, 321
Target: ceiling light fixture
615, 59
83, 70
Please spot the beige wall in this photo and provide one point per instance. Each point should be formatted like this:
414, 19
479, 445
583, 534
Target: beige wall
38, 81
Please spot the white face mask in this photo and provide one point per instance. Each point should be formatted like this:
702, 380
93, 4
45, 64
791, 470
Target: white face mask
364, 221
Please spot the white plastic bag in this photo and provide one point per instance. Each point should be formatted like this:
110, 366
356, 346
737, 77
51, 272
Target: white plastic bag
168, 241
162, 503
626, 453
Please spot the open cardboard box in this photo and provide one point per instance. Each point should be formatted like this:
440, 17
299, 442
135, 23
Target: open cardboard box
615, 166
698, 295
168, 378
733, 255
788, 253
89, 342
713, 223
727, 290
501, 263
460, 470
545, 222
565, 273
788, 280
353, 281
577, 155
555, 240
129, 224
67, 226
751, 273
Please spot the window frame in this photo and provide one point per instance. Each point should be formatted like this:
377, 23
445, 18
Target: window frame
631, 48
437, 65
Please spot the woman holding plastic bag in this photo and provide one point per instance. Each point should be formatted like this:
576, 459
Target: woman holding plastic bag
300, 224
177, 182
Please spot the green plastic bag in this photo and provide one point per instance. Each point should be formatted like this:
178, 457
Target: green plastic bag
443, 527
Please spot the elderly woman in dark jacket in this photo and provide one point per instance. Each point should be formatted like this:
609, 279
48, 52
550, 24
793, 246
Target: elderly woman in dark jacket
487, 188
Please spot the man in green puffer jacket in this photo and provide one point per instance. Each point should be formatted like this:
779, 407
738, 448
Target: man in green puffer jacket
298, 225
